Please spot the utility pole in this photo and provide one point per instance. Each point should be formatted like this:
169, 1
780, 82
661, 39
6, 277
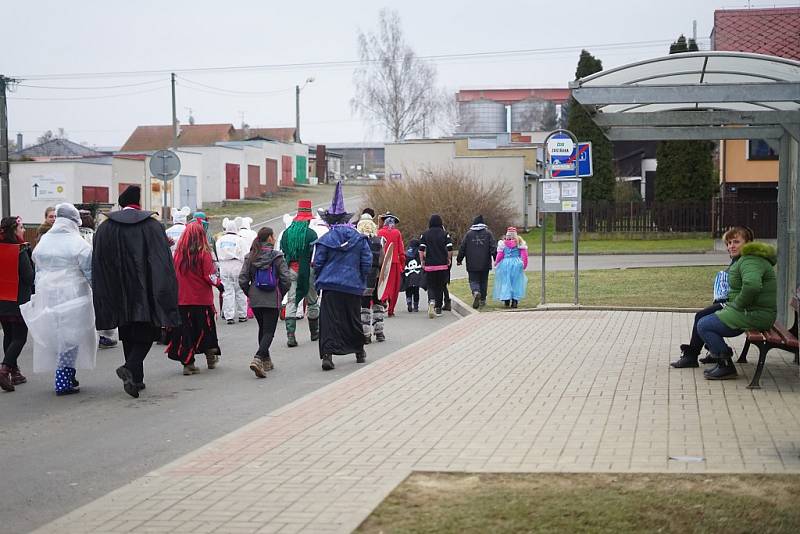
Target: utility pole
296, 113
165, 209
5, 187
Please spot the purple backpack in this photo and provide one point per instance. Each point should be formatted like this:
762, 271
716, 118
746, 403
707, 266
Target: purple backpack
266, 279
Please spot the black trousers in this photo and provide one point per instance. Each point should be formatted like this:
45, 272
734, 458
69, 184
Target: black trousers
135, 353
479, 282
15, 334
267, 319
437, 284
412, 294
696, 342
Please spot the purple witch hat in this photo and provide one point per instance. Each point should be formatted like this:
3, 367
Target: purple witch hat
336, 213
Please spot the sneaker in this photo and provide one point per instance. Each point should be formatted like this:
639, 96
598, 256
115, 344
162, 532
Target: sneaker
187, 371
231, 321
410, 308
476, 300
128, 384
514, 304
447, 306
431, 310
380, 337
190, 369
291, 340
725, 370
106, 343
361, 356
438, 312
708, 358
212, 360
367, 340
242, 319
327, 362
257, 367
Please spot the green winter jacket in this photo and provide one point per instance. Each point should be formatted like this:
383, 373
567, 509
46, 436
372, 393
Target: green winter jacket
753, 289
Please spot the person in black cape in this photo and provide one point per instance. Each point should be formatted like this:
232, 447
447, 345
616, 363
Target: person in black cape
134, 283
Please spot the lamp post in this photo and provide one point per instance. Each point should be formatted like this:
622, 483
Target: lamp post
297, 90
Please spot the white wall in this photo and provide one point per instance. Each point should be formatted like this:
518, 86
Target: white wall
214, 159
73, 174
417, 158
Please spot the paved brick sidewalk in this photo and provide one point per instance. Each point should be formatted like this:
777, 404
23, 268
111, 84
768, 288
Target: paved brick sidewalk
514, 392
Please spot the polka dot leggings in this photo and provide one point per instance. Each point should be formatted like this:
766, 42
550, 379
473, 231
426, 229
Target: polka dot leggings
65, 370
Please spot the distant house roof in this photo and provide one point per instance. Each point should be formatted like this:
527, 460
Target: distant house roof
355, 146
775, 31
284, 135
159, 137
509, 96
56, 149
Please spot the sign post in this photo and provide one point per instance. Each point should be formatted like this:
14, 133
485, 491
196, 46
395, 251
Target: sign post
165, 165
561, 191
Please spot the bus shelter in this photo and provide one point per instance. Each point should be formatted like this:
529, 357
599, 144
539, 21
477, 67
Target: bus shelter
711, 96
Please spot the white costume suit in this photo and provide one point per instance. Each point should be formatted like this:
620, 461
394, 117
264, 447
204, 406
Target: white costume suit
231, 252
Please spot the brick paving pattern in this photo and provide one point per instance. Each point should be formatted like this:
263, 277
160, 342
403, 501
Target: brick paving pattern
496, 392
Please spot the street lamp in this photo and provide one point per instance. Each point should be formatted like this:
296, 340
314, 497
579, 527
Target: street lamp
297, 90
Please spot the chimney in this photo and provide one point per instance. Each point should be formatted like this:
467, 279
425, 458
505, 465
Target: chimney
19, 142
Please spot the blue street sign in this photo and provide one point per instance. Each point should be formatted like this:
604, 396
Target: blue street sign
584, 163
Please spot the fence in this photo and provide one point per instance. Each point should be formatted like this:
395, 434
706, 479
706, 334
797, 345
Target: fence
640, 217
760, 215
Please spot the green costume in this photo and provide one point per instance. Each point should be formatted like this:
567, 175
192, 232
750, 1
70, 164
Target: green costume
753, 289
297, 246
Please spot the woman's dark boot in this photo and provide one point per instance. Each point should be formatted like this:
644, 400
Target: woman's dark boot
327, 362
687, 359
724, 370
6, 383
409, 304
17, 378
507, 303
514, 303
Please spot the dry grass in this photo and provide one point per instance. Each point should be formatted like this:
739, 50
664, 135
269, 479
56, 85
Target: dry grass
589, 503
458, 197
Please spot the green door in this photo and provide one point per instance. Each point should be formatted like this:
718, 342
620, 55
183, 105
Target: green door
302, 170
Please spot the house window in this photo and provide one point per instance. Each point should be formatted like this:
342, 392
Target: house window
759, 149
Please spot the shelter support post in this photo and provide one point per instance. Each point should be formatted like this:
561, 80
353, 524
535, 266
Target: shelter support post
794, 219
784, 187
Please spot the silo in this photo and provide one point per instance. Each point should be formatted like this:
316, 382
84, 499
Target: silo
481, 116
529, 115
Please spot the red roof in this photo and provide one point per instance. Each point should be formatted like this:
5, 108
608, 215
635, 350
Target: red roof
509, 96
772, 31
285, 135
159, 137
136, 157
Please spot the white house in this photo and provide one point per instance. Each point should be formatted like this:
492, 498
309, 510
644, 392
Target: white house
35, 185
184, 190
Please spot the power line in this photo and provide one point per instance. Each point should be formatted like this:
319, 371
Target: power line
347, 63
98, 97
233, 91
98, 87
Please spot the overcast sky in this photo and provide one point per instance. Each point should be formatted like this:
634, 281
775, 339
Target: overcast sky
91, 36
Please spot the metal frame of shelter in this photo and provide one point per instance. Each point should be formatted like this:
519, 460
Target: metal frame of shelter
712, 96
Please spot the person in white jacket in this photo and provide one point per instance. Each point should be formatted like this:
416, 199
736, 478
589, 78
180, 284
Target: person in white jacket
175, 231
60, 316
247, 233
230, 253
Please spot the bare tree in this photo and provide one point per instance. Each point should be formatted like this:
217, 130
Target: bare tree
393, 87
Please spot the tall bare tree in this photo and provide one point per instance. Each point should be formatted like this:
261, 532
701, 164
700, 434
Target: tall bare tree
393, 87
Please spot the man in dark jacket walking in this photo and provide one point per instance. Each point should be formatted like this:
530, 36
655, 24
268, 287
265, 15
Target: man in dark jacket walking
479, 248
134, 283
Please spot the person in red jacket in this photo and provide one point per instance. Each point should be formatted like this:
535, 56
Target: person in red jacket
391, 234
197, 275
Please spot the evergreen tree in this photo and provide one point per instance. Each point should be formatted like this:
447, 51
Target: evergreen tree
685, 168
601, 185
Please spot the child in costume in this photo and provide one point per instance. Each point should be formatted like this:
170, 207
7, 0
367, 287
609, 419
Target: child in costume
510, 281
412, 276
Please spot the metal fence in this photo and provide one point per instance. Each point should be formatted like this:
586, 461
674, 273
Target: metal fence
640, 217
760, 215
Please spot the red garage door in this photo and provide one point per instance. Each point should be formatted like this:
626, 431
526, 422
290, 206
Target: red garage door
286, 171
94, 194
272, 175
232, 181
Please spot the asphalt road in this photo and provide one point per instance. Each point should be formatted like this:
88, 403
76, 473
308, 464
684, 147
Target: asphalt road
59, 453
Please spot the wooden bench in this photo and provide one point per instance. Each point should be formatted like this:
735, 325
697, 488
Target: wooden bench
777, 337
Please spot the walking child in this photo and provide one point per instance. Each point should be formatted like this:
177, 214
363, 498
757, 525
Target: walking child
510, 281
230, 252
372, 309
412, 276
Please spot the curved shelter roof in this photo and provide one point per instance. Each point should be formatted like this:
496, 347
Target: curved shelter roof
711, 95
761, 93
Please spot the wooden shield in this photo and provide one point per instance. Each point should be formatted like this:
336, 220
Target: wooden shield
386, 270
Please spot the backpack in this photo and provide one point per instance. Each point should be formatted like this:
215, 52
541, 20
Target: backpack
265, 279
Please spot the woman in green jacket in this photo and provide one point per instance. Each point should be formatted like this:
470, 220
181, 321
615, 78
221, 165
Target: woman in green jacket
751, 304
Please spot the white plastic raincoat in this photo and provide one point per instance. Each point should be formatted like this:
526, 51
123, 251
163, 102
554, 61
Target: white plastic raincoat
175, 231
247, 234
60, 315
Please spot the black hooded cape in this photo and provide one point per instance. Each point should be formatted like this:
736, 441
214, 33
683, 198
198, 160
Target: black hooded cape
132, 271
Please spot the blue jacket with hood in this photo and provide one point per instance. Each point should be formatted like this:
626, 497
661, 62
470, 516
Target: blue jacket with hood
342, 260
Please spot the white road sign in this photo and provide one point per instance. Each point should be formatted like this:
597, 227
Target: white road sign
48, 187
560, 146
